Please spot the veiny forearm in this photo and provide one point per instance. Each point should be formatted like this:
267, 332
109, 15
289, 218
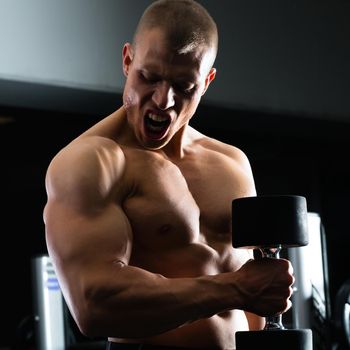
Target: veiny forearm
141, 304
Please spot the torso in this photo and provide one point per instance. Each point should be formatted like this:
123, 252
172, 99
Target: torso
180, 214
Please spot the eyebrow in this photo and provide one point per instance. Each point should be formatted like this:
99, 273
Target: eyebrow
153, 69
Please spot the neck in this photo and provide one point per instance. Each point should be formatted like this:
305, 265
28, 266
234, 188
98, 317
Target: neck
174, 149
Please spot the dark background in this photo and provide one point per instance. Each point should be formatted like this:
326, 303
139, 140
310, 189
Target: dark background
289, 154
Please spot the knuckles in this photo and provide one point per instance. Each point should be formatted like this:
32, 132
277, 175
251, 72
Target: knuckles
269, 283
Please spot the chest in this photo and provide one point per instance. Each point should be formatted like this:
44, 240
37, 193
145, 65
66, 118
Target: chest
180, 203
180, 216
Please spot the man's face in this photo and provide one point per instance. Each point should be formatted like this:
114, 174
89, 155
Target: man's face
163, 88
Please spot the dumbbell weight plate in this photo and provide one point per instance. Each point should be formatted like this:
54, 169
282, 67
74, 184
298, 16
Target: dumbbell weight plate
286, 339
269, 221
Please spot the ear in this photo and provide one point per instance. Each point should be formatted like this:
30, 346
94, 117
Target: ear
210, 77
128, 55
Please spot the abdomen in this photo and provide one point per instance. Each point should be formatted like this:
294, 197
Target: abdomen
216, 332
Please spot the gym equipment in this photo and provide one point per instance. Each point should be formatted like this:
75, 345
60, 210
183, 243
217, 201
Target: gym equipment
268, 224
54, 326
47, 305
342, 315
311, 297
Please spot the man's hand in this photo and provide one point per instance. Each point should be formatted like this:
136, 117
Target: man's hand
265, 286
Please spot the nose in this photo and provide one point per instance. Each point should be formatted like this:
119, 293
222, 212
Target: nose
163, 96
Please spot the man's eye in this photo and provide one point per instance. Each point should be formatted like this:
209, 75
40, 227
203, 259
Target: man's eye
186, 88
148, 78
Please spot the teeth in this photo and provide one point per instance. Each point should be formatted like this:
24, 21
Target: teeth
157, 118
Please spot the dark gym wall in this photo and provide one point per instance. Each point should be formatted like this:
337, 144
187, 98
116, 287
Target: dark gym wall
285, 56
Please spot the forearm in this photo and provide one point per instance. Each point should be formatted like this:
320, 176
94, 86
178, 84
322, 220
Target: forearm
142, 304
127, 302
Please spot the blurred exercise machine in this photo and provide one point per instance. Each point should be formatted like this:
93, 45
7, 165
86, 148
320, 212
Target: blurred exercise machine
54, 326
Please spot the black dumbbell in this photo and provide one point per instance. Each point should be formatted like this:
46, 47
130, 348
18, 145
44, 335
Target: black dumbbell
270, 223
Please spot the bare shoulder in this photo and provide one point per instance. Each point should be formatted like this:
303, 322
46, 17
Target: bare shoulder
222, 147
86, 168
230, 152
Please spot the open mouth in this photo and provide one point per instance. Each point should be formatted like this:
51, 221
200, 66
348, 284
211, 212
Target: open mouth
156, 126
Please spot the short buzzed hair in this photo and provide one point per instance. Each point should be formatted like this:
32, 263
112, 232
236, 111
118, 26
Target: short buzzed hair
186, 23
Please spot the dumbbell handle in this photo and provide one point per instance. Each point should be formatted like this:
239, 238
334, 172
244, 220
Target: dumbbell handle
272, 322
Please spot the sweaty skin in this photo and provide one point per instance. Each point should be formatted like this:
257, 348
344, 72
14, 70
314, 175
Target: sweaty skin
138, 222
